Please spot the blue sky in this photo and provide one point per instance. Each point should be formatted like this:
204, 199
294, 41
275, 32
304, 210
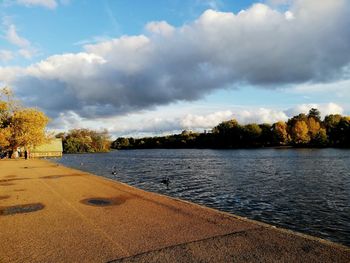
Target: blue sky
160, 66
74, 22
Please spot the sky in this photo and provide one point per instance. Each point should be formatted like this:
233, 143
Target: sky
153, 67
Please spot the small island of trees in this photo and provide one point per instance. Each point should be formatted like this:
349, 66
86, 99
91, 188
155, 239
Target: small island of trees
85, 141
303, 130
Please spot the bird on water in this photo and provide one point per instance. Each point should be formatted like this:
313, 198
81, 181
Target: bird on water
114, 172
166, 181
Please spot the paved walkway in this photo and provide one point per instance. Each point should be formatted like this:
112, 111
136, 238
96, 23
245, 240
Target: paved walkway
50, 213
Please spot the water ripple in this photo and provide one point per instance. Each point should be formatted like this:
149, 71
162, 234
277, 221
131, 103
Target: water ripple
306, 190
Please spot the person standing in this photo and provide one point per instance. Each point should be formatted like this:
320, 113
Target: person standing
25, 154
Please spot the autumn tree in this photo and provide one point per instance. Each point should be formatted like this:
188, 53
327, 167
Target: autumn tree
5, 135
300, 133
280, 133
27, 128
19, 126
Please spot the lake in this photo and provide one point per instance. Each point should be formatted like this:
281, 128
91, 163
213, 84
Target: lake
307, 190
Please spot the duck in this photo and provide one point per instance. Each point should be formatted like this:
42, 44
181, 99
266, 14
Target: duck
114, 172
166, 181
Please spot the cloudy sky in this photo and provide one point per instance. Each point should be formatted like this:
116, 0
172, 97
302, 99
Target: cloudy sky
161, 66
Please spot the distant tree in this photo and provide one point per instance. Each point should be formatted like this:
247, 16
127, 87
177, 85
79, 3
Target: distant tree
315, 132
314, 126
280, 133
299, 117
266, 137
121, 143
251, 134
314, 113
321, 138
225, 127
229, 134
344, 132
331, 123
300, 133
301, 130
85, 141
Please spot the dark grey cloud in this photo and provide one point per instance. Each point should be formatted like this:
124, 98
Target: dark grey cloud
259, 46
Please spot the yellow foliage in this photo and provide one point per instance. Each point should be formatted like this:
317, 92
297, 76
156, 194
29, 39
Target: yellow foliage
5, 135
314, 127
280, 129
28, 128
3, 106
300, 132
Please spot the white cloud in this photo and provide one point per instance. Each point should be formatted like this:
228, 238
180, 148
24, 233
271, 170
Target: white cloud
260, 115
6, 55
27, 53
51, 4
160, 27
260, 46
212, 4
13, 37
92, 40
243, 116
195, 122
325, 109
25, 48
289, 15
338, 89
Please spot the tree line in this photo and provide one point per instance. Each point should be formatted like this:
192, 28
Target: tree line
302, 130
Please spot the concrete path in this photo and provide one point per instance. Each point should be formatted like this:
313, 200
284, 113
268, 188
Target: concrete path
49, 213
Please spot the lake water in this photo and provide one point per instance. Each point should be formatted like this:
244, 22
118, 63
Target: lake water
307, 190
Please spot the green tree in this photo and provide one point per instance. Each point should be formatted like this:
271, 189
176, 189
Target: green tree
251, 134
344, 132
314, 113
331, 123
121, 143
85, 141
229, 134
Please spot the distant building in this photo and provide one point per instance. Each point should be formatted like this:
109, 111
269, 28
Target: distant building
52, 149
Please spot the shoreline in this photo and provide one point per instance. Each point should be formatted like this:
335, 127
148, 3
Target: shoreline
264, 224
153, 225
